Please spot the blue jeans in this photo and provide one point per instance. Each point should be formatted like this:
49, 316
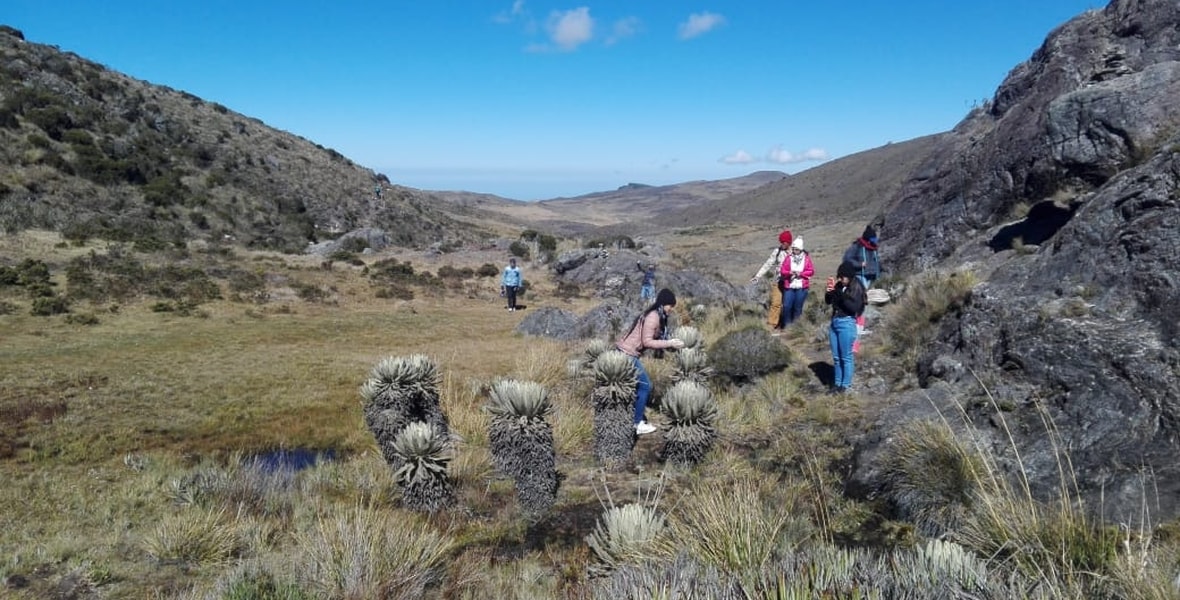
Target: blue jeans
647, 292
841, 335
642, 389
793, 304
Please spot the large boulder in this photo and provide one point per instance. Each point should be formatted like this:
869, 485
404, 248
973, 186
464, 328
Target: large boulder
612, 274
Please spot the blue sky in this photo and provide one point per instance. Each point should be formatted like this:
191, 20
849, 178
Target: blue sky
537, 99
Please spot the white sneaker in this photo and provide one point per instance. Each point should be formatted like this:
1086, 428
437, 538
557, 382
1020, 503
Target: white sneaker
642, 428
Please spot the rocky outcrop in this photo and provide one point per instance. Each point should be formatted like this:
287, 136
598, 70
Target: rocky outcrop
1097, 98
612, 274
1069, 352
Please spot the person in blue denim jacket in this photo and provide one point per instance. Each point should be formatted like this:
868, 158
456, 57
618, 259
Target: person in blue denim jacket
510, 282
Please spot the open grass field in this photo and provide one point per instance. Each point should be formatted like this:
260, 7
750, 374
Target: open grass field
128, 428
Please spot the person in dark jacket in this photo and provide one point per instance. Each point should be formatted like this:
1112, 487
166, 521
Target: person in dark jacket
846, 296
863, 255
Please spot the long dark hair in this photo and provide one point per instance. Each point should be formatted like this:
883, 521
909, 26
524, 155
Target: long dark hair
665, 297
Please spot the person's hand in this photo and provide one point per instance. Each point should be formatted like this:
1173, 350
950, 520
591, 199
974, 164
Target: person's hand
753, 280
831, 283
676, 343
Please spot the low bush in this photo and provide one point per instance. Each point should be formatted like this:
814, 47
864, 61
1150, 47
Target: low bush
748, 353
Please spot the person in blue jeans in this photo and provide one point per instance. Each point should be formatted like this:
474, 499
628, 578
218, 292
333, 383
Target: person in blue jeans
846, 295
648, 332
647, 289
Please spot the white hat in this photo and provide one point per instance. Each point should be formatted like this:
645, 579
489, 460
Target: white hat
797, 243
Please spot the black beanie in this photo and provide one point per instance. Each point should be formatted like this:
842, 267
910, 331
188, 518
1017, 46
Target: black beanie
846, 269
869, 233
665, 298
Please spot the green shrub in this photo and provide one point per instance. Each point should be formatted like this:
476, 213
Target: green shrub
342, 255
50, 305
354, 244
82, 319
487, 270
519, 249
309, 292
748, 353
449, 272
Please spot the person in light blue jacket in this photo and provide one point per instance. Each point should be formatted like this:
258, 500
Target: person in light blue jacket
510, 283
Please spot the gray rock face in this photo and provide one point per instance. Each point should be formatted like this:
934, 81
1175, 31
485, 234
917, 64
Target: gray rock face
1083, 328
612, 274
1096, 98
606, 321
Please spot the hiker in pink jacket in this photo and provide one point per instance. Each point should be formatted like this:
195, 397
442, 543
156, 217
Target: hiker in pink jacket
650, 330
796, 274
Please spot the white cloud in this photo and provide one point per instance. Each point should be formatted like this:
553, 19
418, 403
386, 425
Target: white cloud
571, 28
785, 157
517, 12
623, 29
741, 157
700, 24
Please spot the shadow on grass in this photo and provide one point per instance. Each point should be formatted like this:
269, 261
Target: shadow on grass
824, 372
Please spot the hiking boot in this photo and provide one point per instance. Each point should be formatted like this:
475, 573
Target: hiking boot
642, 428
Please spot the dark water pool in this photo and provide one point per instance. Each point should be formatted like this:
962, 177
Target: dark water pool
290, 459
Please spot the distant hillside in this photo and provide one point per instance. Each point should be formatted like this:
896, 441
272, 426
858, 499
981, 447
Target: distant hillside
95, 154
852, 188
629, 204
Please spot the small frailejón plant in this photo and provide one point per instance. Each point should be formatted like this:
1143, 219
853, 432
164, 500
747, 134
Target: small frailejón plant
584, 365
422, 451
691, 411
522, 442
691, 336
628, 534
401, 391
692, 362
613, 398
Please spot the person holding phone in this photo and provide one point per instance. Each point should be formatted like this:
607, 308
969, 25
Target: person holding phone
846, 295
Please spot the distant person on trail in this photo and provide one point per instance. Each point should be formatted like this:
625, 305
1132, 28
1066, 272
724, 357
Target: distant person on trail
510, 283
377, 191
773, 266
647, 290
796, 275
863, 255
846, 296
649, 330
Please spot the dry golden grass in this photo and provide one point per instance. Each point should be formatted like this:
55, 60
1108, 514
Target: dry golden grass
122, 447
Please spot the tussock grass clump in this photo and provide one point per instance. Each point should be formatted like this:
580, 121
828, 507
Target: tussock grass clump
522, 442
917, 313
691, 411
194, 537
245, 487
934, 478
748, 354
363, 553
613, 399
730, 527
